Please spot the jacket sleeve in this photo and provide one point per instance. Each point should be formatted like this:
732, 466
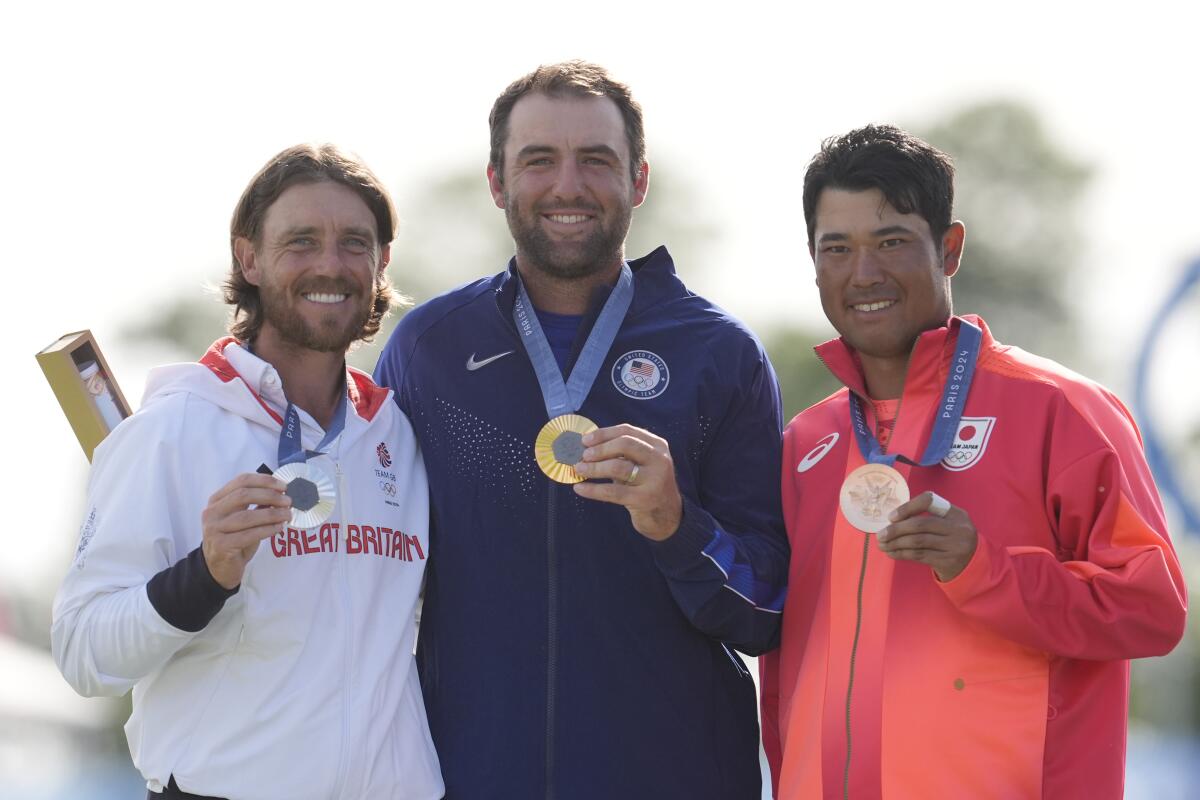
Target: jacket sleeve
392, 366
727, 564
768, 686
106, 633
1114, 589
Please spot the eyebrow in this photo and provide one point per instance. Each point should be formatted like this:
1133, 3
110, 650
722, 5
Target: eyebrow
308, 230
877, 233
890, 229
602, 149
355, 230
832, 237
592, 149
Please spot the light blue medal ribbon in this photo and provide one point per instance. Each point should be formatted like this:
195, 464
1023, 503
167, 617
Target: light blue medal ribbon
290, 448
567, 397
950, 411
313, 493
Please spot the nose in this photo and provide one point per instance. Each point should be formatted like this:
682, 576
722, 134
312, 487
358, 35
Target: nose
568, 181
330, 260
865, 268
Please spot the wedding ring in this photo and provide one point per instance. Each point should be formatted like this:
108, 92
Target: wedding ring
632, 475
938, 505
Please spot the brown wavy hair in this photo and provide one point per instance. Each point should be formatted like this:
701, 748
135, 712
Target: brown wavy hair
304, 163
572, 78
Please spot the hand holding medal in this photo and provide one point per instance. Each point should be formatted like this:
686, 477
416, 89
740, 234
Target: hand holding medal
642, 472
929, 530
242, 513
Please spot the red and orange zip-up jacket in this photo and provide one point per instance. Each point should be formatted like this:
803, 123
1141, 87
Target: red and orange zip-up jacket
1012, 679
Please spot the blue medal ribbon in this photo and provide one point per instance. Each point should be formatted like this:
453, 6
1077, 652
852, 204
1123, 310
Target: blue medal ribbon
566, 397
290, 447
950, 411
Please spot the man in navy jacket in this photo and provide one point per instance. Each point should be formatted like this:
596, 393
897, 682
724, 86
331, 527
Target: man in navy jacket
587, 584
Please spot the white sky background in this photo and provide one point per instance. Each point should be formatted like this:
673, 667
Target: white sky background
130, 129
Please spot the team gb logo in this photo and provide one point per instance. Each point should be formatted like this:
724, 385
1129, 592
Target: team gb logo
385, 458
970, 442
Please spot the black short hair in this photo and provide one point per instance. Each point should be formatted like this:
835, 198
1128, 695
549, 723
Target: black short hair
913, 175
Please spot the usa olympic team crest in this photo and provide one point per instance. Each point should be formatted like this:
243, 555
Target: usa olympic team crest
641, 375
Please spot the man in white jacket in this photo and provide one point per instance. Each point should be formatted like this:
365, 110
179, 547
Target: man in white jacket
256, 534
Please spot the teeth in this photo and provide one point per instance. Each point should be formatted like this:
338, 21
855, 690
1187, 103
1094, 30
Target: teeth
877, 306
325, 298
568, 219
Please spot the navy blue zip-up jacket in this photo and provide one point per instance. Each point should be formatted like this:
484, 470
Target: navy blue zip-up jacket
563, 654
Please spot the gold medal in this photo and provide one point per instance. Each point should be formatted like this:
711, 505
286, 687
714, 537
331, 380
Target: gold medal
559, 447
870, 493
312, 492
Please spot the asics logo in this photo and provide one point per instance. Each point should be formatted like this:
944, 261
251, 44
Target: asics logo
473, 365
817, 453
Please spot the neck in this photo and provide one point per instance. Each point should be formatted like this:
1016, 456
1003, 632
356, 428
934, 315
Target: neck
884, 376
564, 295
311, 379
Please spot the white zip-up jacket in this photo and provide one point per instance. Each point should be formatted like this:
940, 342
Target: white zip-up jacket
301, 683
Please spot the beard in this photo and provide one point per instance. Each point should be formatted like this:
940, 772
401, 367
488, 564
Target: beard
578, 258
331, 334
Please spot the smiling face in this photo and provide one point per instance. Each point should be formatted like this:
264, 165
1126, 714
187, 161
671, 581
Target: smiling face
567, 189
315, 266
882, 276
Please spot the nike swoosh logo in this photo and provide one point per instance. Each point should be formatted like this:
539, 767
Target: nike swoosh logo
473, 365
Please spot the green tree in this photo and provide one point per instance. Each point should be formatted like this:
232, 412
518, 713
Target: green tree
1018, 193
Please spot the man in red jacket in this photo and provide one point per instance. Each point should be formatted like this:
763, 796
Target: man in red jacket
978, 547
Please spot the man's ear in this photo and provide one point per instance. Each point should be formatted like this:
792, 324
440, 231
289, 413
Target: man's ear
952, 247
385, 258
243, 251
641, 184
496, 184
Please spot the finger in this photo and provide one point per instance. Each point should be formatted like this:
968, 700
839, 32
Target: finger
914, 525
247, 480
603, 435
245, 497
627, 447
938, 505
915, 541
615, 469
616, 493
924, 503
252, 536
248, 519
916, 554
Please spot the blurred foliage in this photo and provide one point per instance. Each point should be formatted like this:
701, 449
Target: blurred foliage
803, 379
1018, 194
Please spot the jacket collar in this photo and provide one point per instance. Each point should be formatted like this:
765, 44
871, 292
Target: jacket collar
926, 366
364, 395
653, 280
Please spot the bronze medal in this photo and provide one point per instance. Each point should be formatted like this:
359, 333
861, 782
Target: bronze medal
559, 447
870, 493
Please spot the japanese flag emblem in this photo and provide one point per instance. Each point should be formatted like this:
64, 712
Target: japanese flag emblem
970, 442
